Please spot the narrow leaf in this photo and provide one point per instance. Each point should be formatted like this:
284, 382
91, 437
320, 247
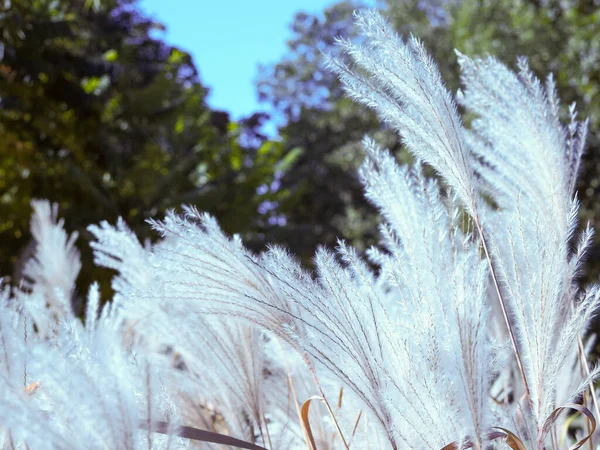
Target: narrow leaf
199, 435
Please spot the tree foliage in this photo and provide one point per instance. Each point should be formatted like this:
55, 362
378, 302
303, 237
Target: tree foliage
416, 345
102, 117
562, 37
411, 339
326, 199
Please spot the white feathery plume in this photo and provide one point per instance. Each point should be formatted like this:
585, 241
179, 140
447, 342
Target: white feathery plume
53, 269
80, 388
118, 248
392, 339
410, 341
401, 82
528, 161
220, 366
525, 160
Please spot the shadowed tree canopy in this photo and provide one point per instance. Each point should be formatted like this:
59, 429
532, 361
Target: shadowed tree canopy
102, 117
328, 128
560, 36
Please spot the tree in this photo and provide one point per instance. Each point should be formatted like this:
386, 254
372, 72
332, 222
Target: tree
561, 37
328, 127
107, 120
558, 37
326, 200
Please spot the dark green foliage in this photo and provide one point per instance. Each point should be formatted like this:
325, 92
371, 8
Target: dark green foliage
327, 200
562, 37
102, 117
98, 115
559, 36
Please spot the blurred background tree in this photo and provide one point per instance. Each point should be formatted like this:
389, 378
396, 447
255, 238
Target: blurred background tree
561, 36
327, 201
107, 121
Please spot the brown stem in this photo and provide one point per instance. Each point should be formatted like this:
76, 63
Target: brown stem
329, 409
584, 363
502, 306
197, 435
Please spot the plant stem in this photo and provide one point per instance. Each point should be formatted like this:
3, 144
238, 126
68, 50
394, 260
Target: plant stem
584, 363
502, 306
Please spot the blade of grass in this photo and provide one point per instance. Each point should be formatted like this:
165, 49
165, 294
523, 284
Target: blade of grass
335, 422
355, 428
512, 440
586, 368
297, 404
198, 435
557, 412
264, 419
306, 421
511, 334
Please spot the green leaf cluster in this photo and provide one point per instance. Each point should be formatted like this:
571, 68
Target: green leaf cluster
104, 118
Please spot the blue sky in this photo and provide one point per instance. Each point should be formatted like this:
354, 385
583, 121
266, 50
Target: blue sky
228, 39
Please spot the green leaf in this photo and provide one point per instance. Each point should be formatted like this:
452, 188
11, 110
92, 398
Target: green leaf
111, 55
95, 85
289, 160
180, 124
176, 57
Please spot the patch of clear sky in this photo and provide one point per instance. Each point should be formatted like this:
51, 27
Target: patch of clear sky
228, 39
